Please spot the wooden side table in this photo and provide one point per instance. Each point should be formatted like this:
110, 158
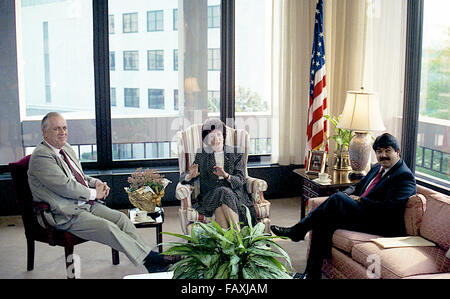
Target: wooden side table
311, 188
156, 223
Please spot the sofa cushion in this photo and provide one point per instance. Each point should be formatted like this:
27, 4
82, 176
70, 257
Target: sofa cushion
402, 262
436, 220
346, 239
414, 210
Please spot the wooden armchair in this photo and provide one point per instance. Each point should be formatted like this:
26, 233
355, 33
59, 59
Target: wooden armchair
31, 210
189, 141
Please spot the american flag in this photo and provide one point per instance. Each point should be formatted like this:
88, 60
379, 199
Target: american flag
317, 124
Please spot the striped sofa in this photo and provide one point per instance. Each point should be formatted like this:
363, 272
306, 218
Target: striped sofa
189, 142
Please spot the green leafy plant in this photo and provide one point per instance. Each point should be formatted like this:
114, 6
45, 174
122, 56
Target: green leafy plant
212, 252
342, 136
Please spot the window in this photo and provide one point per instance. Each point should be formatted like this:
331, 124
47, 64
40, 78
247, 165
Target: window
113, 97
155, 20
130, 22
175, 60
130, 60
156, 98
176, 88
48, 67
111, 24
213, 59
214, 101
175, 100
175, 19
433, 151
155, 60
112, 61
131, 97
214, 16
253, 72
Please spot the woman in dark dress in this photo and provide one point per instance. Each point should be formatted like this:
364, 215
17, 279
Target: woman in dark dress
221, 171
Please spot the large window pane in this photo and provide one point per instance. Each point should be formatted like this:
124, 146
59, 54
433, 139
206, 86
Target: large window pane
167, 89
253, 101
433, 146
56, 70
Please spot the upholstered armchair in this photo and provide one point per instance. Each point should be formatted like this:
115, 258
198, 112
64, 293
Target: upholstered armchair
189, 142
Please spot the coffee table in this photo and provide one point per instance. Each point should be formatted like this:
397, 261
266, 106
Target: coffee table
157, 223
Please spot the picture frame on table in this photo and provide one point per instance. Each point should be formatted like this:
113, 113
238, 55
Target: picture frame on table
316, 162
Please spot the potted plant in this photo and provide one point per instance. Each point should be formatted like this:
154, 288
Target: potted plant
341, 157
212, 252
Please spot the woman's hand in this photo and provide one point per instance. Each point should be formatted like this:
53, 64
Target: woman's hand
220, 172
193, 172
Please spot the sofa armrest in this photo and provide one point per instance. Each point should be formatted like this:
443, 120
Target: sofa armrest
314, 203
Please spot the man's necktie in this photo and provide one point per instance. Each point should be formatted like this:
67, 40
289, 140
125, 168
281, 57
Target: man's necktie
75, 173
373, 183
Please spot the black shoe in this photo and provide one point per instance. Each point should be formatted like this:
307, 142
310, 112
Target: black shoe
155, 262
306, 275
289, 232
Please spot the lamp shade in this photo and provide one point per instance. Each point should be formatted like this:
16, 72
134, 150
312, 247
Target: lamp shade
361, 112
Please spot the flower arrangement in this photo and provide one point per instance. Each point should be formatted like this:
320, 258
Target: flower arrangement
146, 189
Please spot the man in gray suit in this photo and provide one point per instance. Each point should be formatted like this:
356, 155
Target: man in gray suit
56, 177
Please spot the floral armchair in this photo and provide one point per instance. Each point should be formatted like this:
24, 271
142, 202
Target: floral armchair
189, 142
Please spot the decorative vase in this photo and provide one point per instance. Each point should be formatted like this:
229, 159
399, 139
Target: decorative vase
359, 150
341, 159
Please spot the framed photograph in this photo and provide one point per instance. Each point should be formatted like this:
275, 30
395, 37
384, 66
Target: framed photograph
316, 162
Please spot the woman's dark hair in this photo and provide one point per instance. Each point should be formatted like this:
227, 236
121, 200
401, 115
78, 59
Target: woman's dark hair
384, 141
212, 124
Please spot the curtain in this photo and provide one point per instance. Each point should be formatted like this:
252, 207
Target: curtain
364, 47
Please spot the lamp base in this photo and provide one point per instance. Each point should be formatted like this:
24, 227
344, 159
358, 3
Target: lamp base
356, 175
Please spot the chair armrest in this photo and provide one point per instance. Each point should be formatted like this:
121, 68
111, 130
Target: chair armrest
254, 185
183, 193
38, 206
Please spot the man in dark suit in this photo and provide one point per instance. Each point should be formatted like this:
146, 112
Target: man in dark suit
376, 205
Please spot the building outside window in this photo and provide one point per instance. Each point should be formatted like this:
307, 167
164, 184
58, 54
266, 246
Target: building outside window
112, 61
155, 60
155, 20
131, 97
175, 100
213, 101
130, 60
111, 24
130, 22
175, 19
113, 97
213, 59
156, 98
214, 16
175, 60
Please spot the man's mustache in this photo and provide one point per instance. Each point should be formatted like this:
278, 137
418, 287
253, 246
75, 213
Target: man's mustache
385, 159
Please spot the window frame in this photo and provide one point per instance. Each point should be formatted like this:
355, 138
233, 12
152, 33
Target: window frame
134, 66
155, 14
157, 54
132, 29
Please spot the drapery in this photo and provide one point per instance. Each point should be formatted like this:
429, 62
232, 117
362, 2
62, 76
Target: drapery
364, 47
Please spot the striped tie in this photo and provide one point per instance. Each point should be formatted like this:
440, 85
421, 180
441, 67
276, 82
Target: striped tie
373, 183
75, 173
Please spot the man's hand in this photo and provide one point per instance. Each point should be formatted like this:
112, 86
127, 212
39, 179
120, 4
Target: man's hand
220, 172
355, 198
193, 172
102, 189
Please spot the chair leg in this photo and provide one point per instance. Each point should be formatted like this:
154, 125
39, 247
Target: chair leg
30, 254
70, 267
115, 257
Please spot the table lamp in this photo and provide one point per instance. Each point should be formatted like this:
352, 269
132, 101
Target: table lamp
361, 115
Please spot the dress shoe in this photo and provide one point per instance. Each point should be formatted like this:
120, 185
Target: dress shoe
155, 262
289, 232
306, 275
